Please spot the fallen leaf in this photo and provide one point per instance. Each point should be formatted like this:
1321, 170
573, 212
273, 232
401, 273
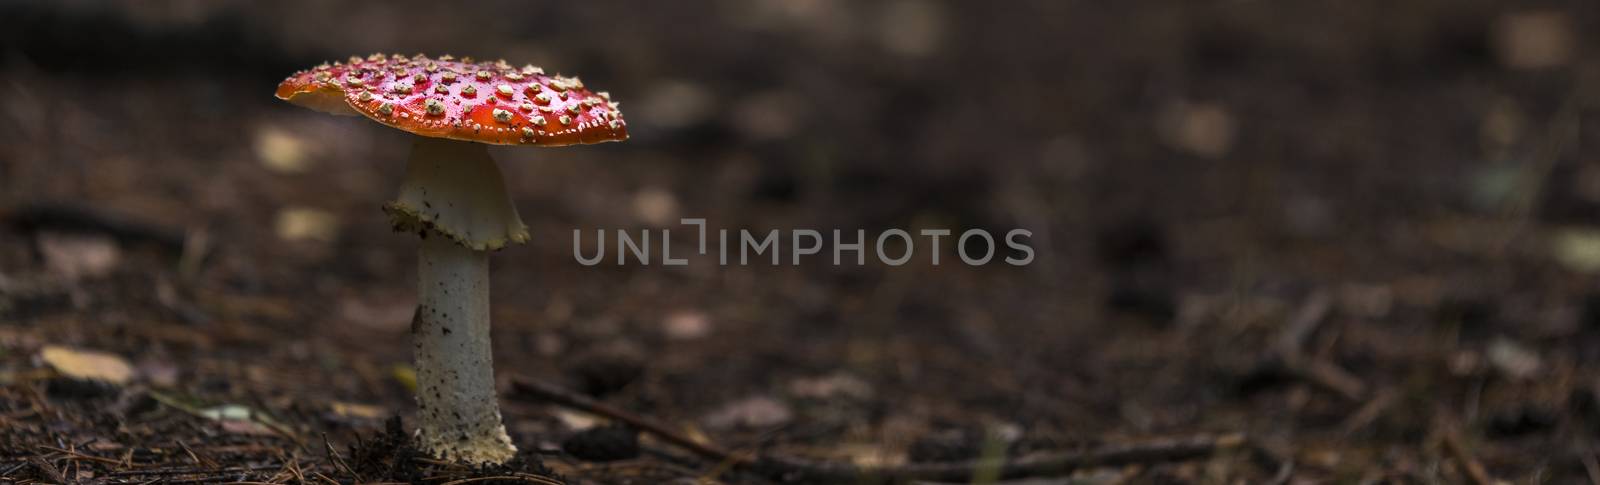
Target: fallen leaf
303, 223
87, 365
1578, 249
358, 411
281, 151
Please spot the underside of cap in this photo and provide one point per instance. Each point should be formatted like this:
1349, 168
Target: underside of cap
484, 102
454, 189
305, 91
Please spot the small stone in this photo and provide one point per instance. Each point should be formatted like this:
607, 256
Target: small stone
606, 370
605, 443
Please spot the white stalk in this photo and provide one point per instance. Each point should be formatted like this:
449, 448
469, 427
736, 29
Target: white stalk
455, 373
456, 200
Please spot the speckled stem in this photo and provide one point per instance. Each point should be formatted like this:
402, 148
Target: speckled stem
455, 374
455, 198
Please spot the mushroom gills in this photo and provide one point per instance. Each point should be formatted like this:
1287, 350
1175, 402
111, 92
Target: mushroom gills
324, 100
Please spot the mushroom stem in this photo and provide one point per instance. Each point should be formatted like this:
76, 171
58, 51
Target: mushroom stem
456, 200
455, 374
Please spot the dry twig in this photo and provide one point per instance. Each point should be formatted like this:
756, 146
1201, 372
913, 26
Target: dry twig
1458, 450
798, 469
80, 218
1288, 353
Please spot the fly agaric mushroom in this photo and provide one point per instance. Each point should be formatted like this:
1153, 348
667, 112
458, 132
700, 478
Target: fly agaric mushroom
455, 199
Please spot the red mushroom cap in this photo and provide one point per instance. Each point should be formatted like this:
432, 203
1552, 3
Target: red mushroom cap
485, 102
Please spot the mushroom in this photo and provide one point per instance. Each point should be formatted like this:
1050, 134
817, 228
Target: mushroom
455, 199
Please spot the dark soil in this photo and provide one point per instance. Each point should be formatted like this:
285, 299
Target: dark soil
1361, 234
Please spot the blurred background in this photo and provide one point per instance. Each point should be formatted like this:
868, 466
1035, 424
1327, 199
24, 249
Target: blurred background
1363, 232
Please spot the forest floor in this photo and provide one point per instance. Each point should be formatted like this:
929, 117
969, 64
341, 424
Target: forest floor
1354, 243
